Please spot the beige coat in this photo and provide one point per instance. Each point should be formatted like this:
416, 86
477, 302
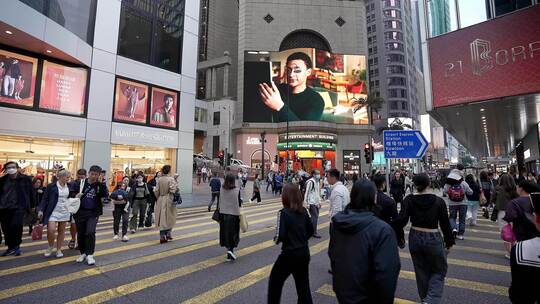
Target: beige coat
165, 210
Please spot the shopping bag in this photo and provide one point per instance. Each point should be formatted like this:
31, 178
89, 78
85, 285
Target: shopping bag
37, 232
507, 234
243, 222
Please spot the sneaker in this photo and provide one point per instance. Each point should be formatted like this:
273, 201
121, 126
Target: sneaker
507, 256
116, 237
125, 238
48, 252
81, 258
231, 256
59, 254
454, 233
17, 252
90, 260
460, 237
132, 231
9, 252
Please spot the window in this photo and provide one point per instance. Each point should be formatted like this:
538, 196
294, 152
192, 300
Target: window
466, 18
392, 24
217, 116
392, 13
404, 105
200, 115
151, 31
398, 81
393, 36
392, 3
395, 58
393, 46
393, 105
77, 16
506, 6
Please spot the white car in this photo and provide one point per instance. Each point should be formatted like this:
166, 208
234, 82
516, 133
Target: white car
236, 163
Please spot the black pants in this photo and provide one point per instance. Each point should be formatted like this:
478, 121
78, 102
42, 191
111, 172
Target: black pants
215, 196
295, 262
257, 195
314, 213
120, 214
86, 221
11, 221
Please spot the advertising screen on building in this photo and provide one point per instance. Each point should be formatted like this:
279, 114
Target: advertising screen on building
63, 89
305, 85
163, 108
17, 79
130, 101
490, 60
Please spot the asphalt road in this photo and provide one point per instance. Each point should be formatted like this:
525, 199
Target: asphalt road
193, 269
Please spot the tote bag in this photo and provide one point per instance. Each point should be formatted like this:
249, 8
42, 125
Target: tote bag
74, 203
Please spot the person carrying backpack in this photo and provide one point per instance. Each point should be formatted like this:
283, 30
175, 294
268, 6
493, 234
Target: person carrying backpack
456, 189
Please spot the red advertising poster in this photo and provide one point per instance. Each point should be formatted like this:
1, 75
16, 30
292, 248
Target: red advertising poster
490, 60
17, 79
63, 88
130, 101
163, 108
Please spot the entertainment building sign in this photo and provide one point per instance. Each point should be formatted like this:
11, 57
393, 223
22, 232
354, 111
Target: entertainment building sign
493, 59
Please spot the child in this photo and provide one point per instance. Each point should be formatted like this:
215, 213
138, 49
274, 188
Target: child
19, 85
121, 207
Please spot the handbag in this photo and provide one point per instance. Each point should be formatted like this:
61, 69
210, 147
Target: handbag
243, 221
37, 232
216, 216
483, 200
74, 203
507, 234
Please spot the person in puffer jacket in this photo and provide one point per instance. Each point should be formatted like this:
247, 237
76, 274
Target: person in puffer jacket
363, 251
119, 198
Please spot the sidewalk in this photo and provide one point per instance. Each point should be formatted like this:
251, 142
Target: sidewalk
201, 194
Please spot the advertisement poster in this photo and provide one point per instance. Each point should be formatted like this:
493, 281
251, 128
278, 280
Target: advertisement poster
130, 101
488, 60
163, 108
17, 79
305, 85
63, 89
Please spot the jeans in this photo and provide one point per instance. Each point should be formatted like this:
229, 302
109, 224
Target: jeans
119, 214
295, 262
137, 214
454, 210
215, 196
86, 231
314, 213
472, 212
429, 260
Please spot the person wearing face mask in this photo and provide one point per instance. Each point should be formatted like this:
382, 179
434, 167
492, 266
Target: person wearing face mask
312, 199
16, 197
152, 200
138, 197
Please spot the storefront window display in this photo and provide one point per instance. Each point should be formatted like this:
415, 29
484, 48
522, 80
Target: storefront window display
126, 160
41, 157
307, 151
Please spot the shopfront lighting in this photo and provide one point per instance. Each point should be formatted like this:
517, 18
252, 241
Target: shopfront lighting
264, 52
253, 52
9, 32
482, 110
48, 51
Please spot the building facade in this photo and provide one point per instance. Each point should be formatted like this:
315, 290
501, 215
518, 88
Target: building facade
98, 82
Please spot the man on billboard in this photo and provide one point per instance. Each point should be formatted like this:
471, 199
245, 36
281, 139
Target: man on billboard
165, 114
302, 102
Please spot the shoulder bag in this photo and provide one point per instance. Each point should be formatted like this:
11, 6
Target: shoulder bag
216, 215
74, 203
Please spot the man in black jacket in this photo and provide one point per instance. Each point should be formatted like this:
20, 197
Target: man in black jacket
387, 208
15, 200
92, 196
363, 251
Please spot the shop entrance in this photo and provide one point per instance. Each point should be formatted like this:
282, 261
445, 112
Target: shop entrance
41, 157
127, 160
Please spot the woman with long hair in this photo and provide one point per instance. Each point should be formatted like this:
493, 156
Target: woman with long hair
504, 193
54, 212
486, 185
165, 207
427, 212
293, 230
363, 251
229, 216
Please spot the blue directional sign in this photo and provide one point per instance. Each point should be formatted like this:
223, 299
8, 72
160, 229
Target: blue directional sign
404, 144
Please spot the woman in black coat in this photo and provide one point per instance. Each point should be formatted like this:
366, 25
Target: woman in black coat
30, 218
397, 187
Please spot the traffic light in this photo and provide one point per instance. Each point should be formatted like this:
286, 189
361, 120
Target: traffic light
367, 153
220, 155
229, 156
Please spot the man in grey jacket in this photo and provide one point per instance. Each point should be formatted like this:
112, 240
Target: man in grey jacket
456, 190
312, 199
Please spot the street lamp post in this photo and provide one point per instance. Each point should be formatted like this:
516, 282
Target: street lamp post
263, 140
228, 109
